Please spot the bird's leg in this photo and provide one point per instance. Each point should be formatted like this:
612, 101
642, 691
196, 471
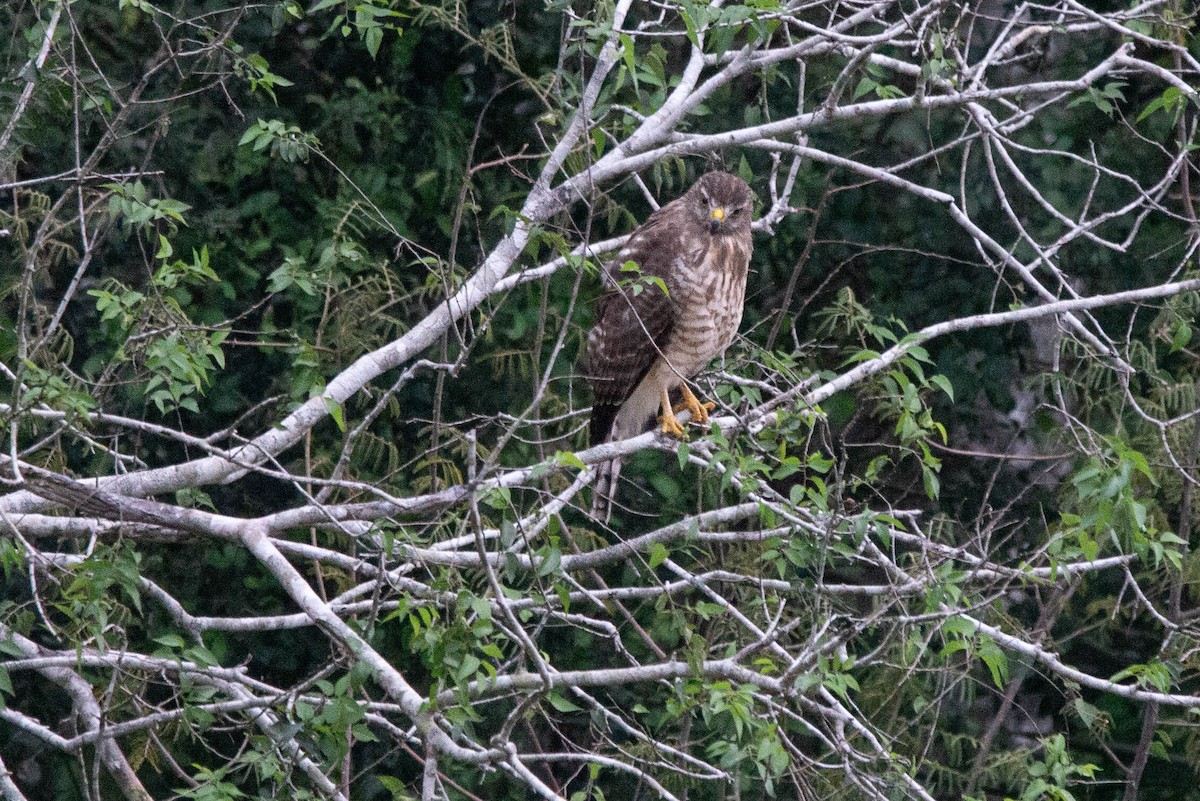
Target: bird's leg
698, 410
670, 426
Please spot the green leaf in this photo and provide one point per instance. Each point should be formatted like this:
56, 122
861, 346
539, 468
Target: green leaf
1181, 335
397, 787
996, 661
550, 563
564, 598
562, 704
953, 647
819, 462
627, 53
933, 484
171, 641
690, 25
335, 411
860, 356
251, 133
958, 626
658, 555
943, 383
373, 38
1090, 715
1171, 100
568, 459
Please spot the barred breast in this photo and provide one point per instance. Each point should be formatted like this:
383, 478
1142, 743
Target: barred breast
709, 302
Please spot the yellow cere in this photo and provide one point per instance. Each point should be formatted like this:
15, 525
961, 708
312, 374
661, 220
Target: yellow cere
718, 214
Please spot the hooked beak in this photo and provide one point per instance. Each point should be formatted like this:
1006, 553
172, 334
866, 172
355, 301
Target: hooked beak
717, 217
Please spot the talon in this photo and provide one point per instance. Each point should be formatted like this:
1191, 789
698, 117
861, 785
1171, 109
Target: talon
699, 413
672, 427
694, 406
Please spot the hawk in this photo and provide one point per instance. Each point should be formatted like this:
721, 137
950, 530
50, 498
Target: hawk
647, 342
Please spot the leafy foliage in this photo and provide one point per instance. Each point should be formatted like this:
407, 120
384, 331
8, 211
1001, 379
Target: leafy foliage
291, 319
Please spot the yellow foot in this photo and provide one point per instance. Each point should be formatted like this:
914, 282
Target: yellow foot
671, 427
698, 410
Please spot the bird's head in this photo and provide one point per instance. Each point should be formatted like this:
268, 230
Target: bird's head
722, 203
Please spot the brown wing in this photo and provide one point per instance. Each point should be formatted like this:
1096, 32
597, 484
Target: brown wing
632, 325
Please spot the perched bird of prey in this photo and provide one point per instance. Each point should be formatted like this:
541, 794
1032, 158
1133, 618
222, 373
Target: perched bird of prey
647, 342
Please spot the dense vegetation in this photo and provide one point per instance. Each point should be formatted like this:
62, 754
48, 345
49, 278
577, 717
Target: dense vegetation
293, 299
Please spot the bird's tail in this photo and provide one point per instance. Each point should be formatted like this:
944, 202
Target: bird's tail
605, 489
